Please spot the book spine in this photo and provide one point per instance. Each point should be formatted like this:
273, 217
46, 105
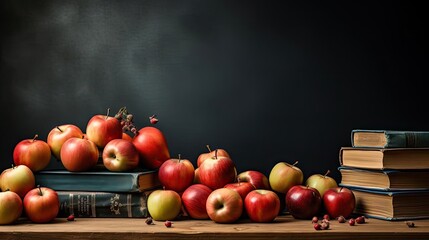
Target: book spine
103, 204
406, 139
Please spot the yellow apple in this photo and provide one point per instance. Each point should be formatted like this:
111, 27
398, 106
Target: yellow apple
321, 182
283, 176
164, 204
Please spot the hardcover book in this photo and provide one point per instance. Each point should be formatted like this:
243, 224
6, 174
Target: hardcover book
389, 138
392, 205
103, 204
98, 181
387, 180
384, 158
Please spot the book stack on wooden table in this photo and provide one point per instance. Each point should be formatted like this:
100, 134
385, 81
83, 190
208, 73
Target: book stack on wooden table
388, 173
100, 192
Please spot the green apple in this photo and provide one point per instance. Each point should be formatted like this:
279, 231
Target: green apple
283, 176
321, 182
164, 204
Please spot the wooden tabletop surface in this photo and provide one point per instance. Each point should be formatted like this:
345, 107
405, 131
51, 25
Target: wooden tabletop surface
284, 227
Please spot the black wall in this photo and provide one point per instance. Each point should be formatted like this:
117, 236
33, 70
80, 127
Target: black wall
269, 81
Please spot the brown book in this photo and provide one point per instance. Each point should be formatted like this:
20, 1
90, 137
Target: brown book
392, 205
384, 179
389, 138
385, 158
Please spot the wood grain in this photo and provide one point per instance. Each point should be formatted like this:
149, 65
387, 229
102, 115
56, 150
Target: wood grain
284, 227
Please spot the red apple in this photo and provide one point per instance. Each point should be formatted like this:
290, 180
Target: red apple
126, 136
164, 204
101, 129
197, 175
194, 200
152, 147
79, 154
339, 201
224, 205
321, 182
41, 204
34, 153
176, 174
120, 155
242, 188
19, 179
258, 179
211, 153
59, 134
217, 171
262, 205
10, 207
283, 176
303, 202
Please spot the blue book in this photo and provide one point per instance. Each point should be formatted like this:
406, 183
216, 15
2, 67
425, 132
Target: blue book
391, 205
389, 138
100, 181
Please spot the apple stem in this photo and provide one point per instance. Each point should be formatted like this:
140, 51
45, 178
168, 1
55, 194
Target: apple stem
108, 112
208, 147
180, 158
327, 172
40, 190
215, 154
59, 128
341, 188
35, 136
295, 163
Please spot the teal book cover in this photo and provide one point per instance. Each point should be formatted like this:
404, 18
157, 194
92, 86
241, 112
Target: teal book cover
101, 180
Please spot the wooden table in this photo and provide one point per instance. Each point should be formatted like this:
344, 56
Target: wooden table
284, 227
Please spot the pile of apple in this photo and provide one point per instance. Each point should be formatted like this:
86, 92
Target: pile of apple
106, 137
213, 190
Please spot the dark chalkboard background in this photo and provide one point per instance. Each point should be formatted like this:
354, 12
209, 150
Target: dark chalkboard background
269, 81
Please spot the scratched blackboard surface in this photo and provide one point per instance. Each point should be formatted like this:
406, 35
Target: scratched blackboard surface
269, 81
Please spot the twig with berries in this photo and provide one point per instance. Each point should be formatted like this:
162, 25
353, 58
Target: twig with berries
127, 120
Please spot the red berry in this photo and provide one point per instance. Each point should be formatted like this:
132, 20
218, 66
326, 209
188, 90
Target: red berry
314, 219
149, 221
341, 219
360, 219
324, 225
70, 218
153, 119
317, 226
351, 222
168, 223
326, 216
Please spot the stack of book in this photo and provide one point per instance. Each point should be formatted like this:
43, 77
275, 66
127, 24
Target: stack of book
100, 192
388, 173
